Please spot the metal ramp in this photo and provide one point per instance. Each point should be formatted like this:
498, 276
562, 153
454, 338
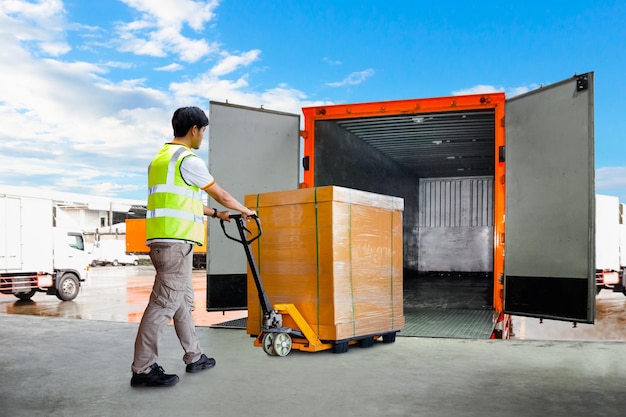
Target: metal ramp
425, 322
239, 324
448, 323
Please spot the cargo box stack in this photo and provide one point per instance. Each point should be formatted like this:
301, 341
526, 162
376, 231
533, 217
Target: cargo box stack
336, 254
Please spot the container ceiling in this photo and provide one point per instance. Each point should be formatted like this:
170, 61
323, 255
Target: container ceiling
446, 144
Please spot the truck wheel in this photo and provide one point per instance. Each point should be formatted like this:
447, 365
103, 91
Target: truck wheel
67, 287
135, 263
115, 262
25, 296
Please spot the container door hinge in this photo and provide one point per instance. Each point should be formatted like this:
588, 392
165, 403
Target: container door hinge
502, 153
582, 82
305, 163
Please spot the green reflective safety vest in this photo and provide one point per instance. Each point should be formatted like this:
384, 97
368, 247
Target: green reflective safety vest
175, 209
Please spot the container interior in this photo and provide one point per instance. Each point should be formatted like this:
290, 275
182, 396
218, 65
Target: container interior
442, 164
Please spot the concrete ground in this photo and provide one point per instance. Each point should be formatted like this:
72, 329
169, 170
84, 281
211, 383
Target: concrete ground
53, 366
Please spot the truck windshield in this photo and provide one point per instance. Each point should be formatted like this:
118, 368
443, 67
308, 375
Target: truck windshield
75, 241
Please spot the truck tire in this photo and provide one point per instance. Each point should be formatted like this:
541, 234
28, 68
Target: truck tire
115, 262
67, 287
25, 296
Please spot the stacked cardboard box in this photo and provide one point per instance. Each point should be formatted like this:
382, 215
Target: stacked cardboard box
333, 252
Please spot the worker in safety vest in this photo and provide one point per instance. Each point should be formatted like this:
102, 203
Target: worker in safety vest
174, 224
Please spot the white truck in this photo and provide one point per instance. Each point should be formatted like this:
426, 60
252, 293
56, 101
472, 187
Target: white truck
112, 252
35, 255
610, 244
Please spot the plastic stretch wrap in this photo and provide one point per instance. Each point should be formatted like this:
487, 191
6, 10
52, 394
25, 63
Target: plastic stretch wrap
333, 252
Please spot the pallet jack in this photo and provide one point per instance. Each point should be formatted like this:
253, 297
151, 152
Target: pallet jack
274, 338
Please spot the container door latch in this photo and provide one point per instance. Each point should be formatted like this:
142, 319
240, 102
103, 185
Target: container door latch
582, 82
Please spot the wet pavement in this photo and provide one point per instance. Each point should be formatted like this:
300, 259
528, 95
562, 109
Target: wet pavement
121, 294
114, 293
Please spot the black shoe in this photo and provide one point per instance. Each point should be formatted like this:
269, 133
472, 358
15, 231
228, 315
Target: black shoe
155, 378
200, 364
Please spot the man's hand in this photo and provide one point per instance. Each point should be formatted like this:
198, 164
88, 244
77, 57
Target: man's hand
246, 215
224, 215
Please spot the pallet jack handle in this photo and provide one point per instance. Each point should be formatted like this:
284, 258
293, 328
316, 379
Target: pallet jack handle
245, 241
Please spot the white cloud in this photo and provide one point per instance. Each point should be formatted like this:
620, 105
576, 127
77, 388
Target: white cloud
39, 23
331, 61
176, 12
516, 91
122, 65
158, 31
173, 67
230, 63
484, 89
354, 78
611, 180
478, 89
92, 126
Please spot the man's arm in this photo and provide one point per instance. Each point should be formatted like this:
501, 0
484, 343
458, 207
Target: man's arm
227, 200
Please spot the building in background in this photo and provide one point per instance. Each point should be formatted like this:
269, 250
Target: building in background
100, 218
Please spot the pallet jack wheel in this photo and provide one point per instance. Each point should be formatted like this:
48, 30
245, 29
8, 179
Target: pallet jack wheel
282, 344
268, 344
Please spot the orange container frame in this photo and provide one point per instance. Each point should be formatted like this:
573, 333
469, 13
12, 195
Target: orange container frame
495, 101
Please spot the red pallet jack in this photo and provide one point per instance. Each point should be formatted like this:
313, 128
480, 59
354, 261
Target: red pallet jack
276, 339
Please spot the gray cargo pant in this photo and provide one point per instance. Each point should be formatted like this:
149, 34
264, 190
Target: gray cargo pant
171, 298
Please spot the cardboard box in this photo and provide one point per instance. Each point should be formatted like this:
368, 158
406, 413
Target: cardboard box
333, 252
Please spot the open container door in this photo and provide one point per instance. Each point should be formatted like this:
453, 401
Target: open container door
251, 151
550, 205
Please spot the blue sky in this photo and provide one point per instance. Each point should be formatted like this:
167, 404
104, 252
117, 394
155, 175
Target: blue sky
88, 87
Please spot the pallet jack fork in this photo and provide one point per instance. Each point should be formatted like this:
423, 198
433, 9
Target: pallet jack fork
275, 339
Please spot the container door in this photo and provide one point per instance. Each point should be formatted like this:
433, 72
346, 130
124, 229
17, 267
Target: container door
550, 204
251, 151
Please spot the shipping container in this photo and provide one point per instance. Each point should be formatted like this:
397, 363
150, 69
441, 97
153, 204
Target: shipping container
498, 197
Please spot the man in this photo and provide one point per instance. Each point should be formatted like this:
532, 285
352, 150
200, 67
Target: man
174, 224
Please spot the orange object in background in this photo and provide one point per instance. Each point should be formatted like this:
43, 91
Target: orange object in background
333, 252
136, 237
136, 242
